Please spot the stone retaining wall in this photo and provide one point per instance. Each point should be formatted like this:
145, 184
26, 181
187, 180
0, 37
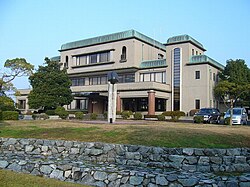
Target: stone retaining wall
102, 164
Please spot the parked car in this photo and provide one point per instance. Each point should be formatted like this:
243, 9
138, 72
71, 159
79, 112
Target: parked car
239, 116
210, 115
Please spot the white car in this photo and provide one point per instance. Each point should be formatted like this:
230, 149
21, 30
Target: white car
239, 116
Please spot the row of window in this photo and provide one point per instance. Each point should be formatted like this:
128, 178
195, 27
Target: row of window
211, 75
196, 52
99, 80
153, 77
198, 103
123, 78
78, 104
94, 58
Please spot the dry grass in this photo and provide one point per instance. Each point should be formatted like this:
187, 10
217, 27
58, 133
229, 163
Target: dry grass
152, 133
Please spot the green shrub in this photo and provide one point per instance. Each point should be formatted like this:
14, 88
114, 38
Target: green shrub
50, 112
227, 121
61, 112
79, 115
161, 117
193, 111
7, 104
105, 115
93, 116
10, 115
198, 119
41, 116
175, 115
126, 114
137, 116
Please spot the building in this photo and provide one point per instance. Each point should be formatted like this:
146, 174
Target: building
153, 77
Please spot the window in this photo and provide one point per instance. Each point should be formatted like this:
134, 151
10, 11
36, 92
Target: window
197, 104
196, 52
93, 58
124, 54
123, 78
214, 77
81, 104
66, 65
160, 56
197, 75
21, 104
176, 78
98, 80
192, 51
104, 57
153, 77
81, 60
78, 82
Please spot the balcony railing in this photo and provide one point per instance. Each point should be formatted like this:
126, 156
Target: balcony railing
153, 63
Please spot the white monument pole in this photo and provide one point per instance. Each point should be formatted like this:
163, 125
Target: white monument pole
112, 96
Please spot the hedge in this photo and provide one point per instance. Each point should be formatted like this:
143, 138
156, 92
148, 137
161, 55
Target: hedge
126, 114
93, 116
137, 116
10, 115
175, 115
198, 119
161, 117
50, 112
79, 115
61, 112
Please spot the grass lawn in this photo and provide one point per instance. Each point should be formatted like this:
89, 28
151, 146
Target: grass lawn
150, 133
13, 179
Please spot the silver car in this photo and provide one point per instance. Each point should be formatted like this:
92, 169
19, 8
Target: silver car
239, 116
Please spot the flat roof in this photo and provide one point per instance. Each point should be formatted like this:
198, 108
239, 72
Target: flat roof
112, 38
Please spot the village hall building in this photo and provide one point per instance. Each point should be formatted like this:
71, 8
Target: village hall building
153, 77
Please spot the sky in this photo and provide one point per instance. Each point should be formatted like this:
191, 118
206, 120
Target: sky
35, 29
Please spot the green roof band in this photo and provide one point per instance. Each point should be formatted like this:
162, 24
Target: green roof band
111, 38
183, 38
153, 63
203, 59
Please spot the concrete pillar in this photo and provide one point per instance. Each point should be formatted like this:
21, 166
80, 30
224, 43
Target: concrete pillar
118, 105
151, 102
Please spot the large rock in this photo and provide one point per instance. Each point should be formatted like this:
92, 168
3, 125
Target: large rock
188, 182
133, 155
57, 174
3, 164
14, 167
96, 152
161, 180
188, 151
101, 176
29, 148
135, 180
46, 169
